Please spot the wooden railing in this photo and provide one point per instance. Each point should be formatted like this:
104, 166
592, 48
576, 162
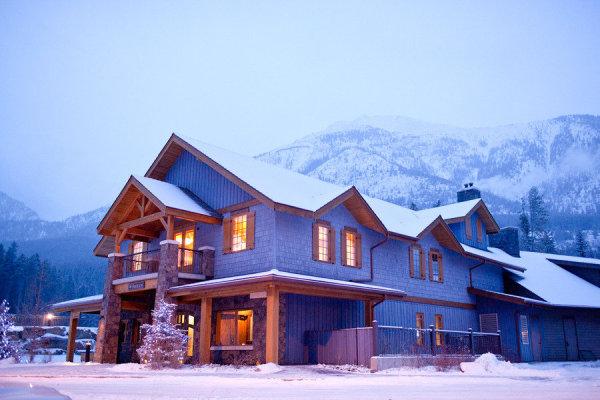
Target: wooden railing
195, 262
142, 263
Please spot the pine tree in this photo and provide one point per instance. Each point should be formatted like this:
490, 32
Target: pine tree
163, 345
8, 348
538, 216
547, 243
582, 247
525, 228
438, 203
413, 206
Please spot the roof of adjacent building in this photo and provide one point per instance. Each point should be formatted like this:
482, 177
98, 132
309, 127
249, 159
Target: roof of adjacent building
94, 302
544, 278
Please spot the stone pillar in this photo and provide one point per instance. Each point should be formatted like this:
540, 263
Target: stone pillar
107, 341
167, 269
207, 266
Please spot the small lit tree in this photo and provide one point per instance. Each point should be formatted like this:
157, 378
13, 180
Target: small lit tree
8, 348
163, 344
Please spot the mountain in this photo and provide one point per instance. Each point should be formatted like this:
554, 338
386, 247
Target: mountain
11, 209
405, 161
66, 243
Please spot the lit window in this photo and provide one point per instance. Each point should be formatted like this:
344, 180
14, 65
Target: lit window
420, 327
351, 249
234, 328
239, 226
323, 243
137, 249
185, 239
435, 266
186, 323
439, 324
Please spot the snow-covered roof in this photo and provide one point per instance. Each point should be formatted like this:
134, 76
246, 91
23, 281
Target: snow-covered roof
297, 190
279, 184
450, 211
573, 259
496, 256
173, 196
298, 278
544, 278
82, 301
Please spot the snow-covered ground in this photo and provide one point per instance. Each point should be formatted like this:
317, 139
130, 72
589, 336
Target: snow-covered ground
487, 379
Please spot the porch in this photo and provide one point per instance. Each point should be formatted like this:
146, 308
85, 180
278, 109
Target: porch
243, 318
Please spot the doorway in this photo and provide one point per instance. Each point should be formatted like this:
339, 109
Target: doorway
571, 344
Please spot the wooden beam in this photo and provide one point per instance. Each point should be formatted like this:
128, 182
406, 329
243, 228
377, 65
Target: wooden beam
272, 331
369, 312
72, 335
142, 220
170, 227
141, 232
205, 330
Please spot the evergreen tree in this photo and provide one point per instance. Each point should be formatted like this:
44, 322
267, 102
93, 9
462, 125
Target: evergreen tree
413, 206
582, 247
525, 228
163, 345
438, 203
538, 216
547, 244
8, 347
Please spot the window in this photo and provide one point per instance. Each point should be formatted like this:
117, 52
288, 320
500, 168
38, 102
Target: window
479, 230
234, 328
416, 261
323, 242
468, 228
238, 232
186, 323
420, 326
488, 323
351, 248
137, 248
524, 328
436, 269
185, 239
439, 324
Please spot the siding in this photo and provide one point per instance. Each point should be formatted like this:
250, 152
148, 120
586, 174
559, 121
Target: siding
459, 230
398, 313
210, 186
309, 313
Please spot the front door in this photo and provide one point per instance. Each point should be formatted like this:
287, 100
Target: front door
536, 338
571, 345
524, 337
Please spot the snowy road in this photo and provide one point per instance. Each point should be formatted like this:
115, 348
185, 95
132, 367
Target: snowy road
544, 381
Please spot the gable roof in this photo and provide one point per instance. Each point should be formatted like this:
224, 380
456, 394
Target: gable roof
287, 190
456, 212
165, 196
545, 279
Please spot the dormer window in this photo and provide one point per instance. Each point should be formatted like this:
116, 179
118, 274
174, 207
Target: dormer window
468, 227
323, 242
436, 269
351, 248
479, 231
238, 232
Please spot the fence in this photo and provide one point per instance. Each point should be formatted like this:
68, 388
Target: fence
358, 345
145, 262
40, 320
401, 340
188, 261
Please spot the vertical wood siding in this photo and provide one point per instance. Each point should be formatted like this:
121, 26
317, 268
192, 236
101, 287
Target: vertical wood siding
309, 313
210, 186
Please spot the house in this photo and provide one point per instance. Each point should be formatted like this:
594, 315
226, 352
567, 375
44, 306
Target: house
257, 257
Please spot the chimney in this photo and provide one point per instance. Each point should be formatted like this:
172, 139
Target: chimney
507, 239
469, 192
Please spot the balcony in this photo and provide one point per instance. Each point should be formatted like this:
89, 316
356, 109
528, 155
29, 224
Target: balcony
196, 262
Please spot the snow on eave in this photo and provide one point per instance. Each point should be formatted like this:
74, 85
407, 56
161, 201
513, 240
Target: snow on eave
82, 301
173, 196
582, 261
528, 300
274, 273
496, 256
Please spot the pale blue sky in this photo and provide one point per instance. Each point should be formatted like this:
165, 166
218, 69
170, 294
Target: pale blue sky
91, 90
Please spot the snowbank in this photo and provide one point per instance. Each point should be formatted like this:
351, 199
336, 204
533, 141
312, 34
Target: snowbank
488, 364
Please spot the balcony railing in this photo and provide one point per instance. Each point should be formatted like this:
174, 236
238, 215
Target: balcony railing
194, 262
142, 263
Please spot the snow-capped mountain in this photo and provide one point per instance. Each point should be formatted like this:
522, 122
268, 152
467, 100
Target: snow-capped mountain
405, 160
14, 210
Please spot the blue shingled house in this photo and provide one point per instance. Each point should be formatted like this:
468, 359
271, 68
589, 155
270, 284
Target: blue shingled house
268, 265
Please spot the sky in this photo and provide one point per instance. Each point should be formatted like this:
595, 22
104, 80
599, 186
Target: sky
90, 91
